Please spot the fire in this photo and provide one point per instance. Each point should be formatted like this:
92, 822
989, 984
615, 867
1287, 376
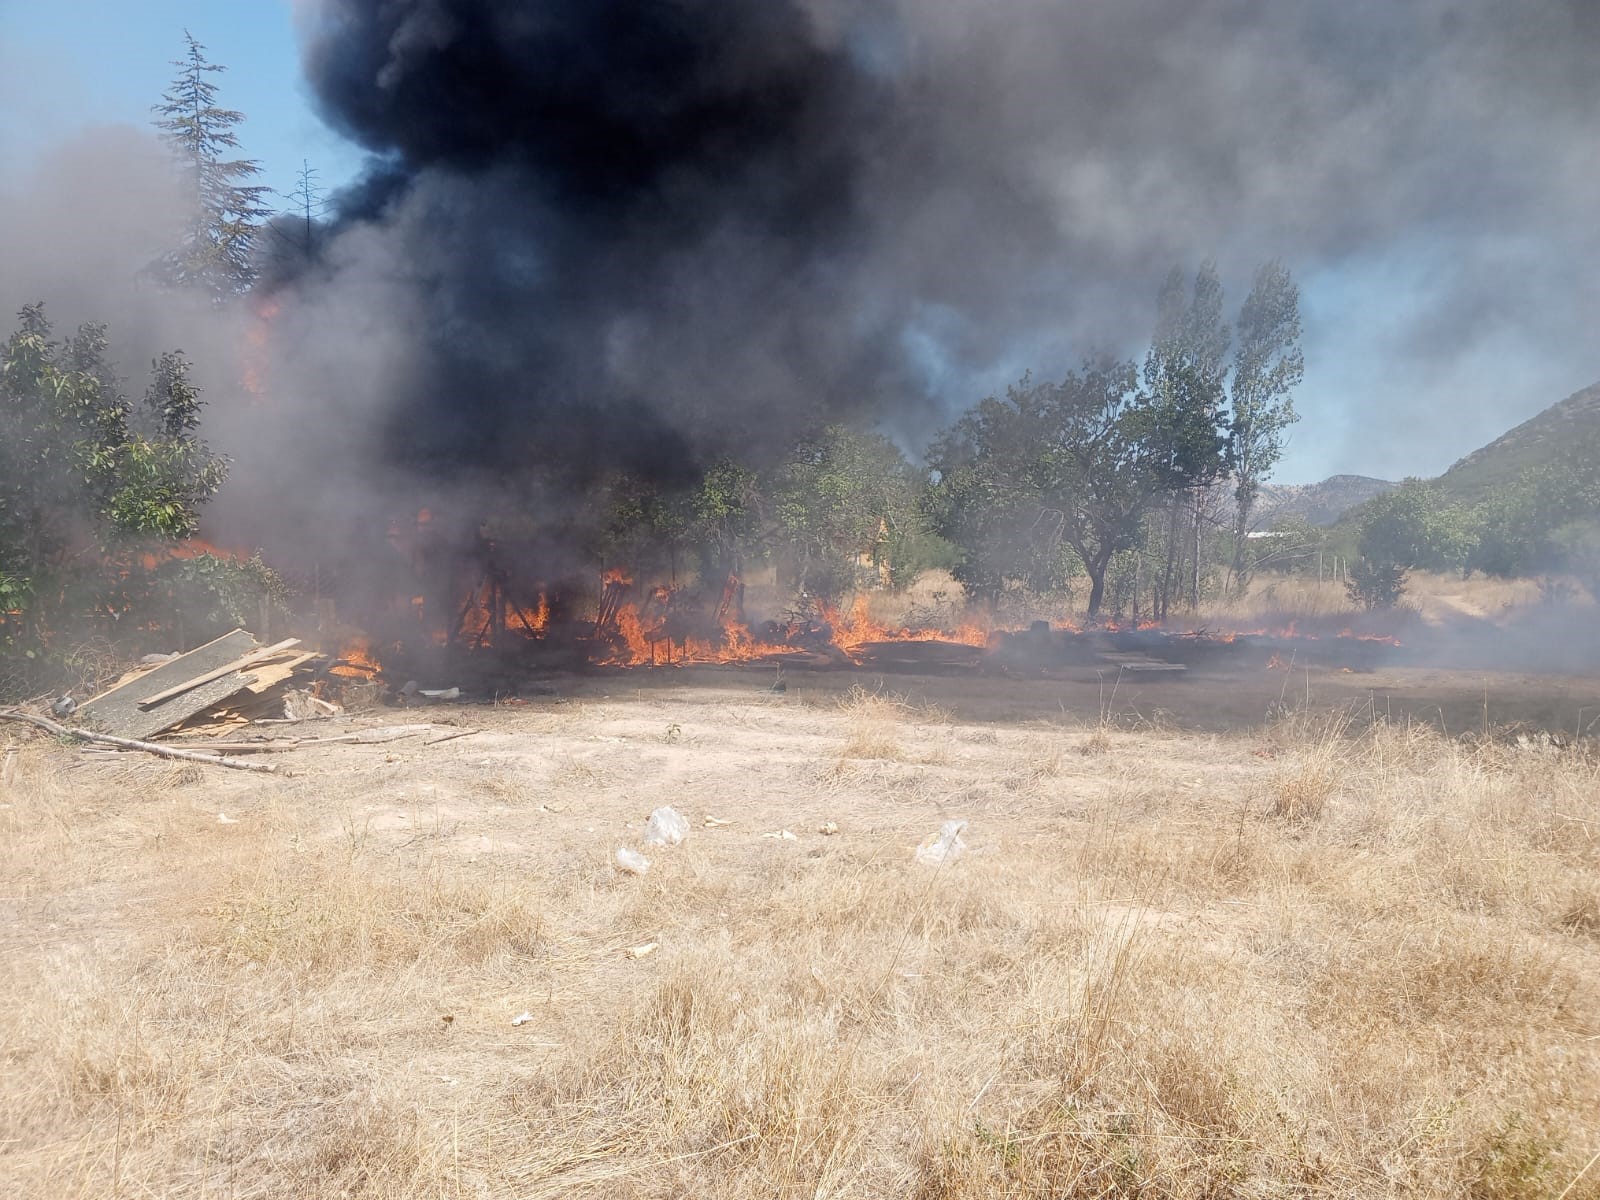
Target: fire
256, 340
356, 660
641, 623
854, 629
192, 547
656, 631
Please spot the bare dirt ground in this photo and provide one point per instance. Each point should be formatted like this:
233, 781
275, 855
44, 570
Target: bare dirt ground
1209, 938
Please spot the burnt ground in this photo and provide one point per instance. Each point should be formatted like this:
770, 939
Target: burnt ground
1455, 701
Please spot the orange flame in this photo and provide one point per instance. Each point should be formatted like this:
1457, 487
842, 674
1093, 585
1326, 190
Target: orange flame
356, 660
256, 342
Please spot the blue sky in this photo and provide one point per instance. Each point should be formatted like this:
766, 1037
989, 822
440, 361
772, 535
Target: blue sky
66, 64
1369, 404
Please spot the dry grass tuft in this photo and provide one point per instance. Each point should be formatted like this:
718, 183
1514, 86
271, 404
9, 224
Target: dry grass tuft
876, 724
1311, 771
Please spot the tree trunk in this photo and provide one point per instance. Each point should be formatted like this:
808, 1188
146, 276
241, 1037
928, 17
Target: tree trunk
1194, 578
1165, 600
1241, 526
1096, 571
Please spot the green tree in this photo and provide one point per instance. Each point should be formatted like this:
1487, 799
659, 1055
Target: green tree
1514, 524
1185, 371
1077, 463
85, 476
1267, 366
838, 498
1407, 528
1543, 520
216, 254
725, 520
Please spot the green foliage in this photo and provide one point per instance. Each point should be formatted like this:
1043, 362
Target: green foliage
1184, 375
1267, 367
1061, 476
1071, 465
913, 549
839, 498
1407, 528
218, 249
84, 475
1540, 520
209, 595
726, 514
1376, 584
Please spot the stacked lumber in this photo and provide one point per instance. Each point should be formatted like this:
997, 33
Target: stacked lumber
229, 681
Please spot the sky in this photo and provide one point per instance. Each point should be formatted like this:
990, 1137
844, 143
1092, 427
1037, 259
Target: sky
70, 64
1411, 362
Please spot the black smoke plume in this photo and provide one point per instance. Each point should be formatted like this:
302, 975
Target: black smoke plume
640, 234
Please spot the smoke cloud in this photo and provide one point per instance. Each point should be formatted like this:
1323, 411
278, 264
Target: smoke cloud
630, 235
645, 234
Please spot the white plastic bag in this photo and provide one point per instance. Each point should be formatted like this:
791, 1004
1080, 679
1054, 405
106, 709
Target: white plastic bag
665, 828
631, 862
943, 847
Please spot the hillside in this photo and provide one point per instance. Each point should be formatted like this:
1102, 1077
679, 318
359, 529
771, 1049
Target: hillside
1319, 503
1533, 442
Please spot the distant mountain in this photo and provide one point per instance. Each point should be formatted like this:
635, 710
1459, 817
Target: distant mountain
1533, 442
1319, 503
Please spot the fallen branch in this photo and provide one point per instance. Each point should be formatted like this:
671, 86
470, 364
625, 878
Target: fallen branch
84, 735
449, 737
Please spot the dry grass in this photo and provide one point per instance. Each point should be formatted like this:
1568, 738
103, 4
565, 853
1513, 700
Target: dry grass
936, 599
1325, 959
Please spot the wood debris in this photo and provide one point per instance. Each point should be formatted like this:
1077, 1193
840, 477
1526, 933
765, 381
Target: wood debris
215, 688
85, 735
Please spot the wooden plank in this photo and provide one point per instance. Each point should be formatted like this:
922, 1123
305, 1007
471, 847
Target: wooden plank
215, 652
117, 711
238, 664
270, 674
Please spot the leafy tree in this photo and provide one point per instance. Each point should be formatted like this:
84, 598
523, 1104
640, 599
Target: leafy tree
726, 510
1514, 524
1185, 372
1267, 366
1545, 519
84, 474
838, 498
217, 251
1407, 528
1077, 463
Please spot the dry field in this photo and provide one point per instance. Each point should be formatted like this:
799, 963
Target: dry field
1322, 955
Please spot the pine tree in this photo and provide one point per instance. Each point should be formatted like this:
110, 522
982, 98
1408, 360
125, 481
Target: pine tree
217, 252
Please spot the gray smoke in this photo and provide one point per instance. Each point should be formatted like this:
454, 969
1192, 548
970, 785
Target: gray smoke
638, 235
643, 234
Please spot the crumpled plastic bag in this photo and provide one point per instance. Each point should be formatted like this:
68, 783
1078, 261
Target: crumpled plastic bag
631, 862
666, 827
943, 847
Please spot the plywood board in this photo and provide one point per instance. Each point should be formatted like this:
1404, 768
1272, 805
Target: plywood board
117, 711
